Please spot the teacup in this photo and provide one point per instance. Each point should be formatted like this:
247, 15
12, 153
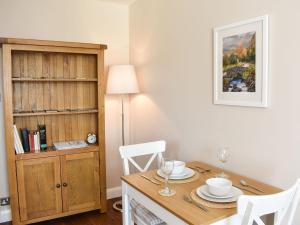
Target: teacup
179, 167
219, 186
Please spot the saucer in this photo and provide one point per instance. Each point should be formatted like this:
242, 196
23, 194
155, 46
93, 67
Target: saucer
204, 190
187, 173
231, 197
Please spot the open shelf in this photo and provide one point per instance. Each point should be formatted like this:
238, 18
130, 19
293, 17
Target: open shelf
51, 152
55, 113
54, 79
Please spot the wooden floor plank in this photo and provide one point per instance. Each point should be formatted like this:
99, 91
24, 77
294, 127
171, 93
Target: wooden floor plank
112, 217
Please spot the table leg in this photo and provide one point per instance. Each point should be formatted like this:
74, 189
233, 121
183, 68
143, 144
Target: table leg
127, 220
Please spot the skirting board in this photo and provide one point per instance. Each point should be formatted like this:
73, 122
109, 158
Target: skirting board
5, 214
114, 192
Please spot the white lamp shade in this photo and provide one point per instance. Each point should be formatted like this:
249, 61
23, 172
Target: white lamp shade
122, 80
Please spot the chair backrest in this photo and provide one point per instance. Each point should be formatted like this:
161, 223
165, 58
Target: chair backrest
282, 204
127, 152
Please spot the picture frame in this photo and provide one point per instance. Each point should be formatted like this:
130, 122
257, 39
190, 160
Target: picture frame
241, 63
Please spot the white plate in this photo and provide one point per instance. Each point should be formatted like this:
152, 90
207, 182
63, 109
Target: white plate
204, 190
187, 173
235, 195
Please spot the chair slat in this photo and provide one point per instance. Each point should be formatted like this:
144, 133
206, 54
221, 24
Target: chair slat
155, 149
282, 204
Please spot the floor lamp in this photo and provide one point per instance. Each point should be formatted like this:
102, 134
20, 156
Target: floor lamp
122, 81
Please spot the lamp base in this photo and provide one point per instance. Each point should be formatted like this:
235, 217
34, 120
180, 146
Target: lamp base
118, 206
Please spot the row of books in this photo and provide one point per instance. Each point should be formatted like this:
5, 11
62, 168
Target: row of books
32, 140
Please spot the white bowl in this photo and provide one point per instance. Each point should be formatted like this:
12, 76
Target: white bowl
178, 167
219, 186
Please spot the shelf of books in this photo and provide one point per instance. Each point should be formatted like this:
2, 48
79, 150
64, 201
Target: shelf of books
55, 100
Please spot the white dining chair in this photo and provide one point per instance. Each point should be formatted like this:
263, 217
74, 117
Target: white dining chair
141, 215
283, 205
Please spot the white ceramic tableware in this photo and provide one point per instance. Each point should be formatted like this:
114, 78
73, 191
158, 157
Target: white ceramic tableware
235, 193
204, 190
219, 186
179, 167
187, 173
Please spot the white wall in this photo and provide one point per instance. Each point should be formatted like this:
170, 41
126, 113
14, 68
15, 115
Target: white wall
72, 20
171, 43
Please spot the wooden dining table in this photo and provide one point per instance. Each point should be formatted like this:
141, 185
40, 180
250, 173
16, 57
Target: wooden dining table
175, 210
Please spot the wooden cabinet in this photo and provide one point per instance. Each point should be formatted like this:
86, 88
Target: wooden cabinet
80, 181
39, 187
60, 184
60, 85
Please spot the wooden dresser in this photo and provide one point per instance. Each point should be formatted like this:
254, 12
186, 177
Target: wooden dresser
61, 85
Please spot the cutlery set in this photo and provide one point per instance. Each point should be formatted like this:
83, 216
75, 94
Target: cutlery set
243, 186
152, 180
190, 200
200, 169
245, 189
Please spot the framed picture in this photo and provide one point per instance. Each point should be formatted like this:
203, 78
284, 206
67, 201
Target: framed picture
241, 63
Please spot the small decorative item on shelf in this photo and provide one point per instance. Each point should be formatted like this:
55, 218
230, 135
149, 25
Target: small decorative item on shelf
64, 145
91, 138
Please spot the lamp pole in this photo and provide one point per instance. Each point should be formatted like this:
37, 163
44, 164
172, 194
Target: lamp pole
123, 138
122, 80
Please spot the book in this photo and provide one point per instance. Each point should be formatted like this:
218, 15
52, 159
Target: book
16, 145
31, 141
25, 140
43, 139
35, 138
17, 141
38, 141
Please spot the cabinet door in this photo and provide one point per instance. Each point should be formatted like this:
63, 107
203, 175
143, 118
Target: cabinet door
80, 178
39, 187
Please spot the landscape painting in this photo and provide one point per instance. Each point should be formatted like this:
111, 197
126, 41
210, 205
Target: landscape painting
239, 73
241, 63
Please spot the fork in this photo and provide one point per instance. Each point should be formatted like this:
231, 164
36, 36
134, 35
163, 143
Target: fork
199, 169
203, 169
190, 200
149, 179
245, 189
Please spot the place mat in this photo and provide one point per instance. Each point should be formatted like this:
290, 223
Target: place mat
184, 181
209, 204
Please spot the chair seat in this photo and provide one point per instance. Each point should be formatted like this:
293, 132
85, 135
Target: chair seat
144, 214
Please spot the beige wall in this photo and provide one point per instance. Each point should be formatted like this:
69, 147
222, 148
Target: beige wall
171, 43
72, 20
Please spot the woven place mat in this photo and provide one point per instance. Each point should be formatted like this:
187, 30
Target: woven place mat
184, 181
209, 204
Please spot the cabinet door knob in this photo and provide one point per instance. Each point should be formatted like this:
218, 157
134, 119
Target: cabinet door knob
57, 185
65, 184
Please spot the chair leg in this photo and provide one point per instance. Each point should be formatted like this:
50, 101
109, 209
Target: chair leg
127, 220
